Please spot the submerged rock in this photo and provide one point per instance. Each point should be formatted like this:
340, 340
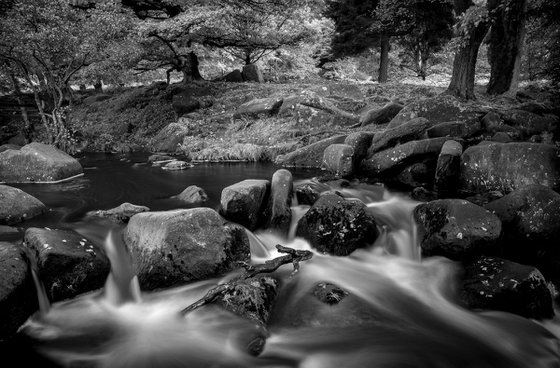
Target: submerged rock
170, 248
17, 206
337, 226
508, 166
18, 297
497, 284
329, 293
244, 202
37, 162
68, 263
122, 213
456, 229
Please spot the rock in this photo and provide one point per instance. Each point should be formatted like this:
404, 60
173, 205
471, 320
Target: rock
308, 156
8, 146
244, 202
168, 139
448, 166
482, 199
177, 165
491, 122
184, 104
252, 73
170, 248
17, 206
497, 284
68, 263
456, 229
122, 213
422, 194
437, 109
8, 233
307, 194
192, 194
258, 107
529, 123
360, 142
156, 158
506, 167
278, 212
411, 130
339, 159
37, 162
380, 116
531, 219
454, 129
18, 296
337, 226
309, 107
501, 137
234, 76
401, 156
329, 293
416, 175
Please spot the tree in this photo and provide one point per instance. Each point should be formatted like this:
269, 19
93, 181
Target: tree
48, 42
507, 31
471, 29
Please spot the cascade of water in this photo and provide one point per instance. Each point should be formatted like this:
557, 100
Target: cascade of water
42, 298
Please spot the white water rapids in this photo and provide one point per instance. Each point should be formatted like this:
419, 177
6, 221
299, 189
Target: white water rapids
401, 311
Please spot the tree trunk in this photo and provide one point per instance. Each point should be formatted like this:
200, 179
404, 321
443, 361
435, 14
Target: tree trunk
464, 63
189, 67
507, 20
98, 85
195, 72
384, 60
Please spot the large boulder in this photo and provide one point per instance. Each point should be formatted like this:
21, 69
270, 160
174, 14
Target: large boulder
37, 162
258, 107
531, 219
447, 167
339, 159
491, 283
278, 212
68, 263
380, 116
17, 206
244, 202
437, 109
18, 296
454, 129
337, 226
456, 229
508, 166
309, 156
529, 123
411, 130
174, 247
401, 156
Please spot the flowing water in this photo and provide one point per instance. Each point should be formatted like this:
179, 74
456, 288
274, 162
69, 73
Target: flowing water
401, 310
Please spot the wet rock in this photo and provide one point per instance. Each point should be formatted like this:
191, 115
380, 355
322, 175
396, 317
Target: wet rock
68, 263
360, 142
307, 194
529, 123
448, 167
411, 130
437, 109
177, 165
380, 116
497, 284
454, 129
252, 73
506, 167
422, 194
192, 194
402, 156
337, 226
309, 156
531, 219
17, 206
18, 298
170, 248
416, 175
258, 107
456, 229
122, 213
482, 199
339, 159
157, 158
329, 293
37, 162
278, 212
244, 202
